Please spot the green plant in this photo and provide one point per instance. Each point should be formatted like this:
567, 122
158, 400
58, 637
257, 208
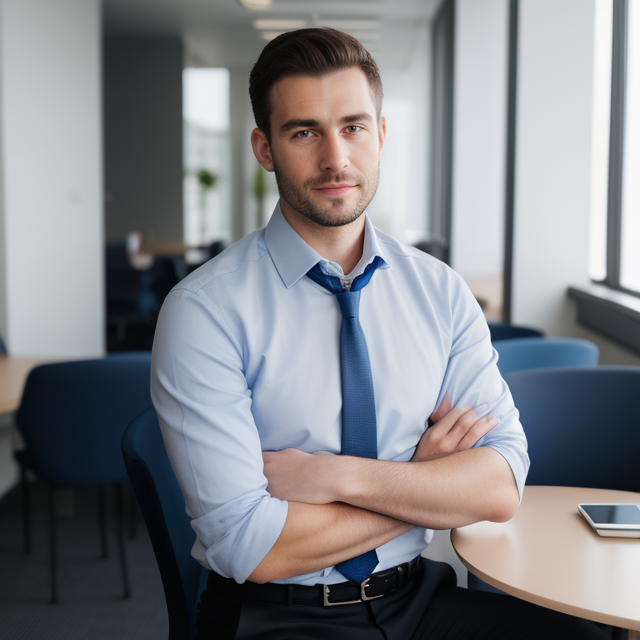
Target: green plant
259, 184
206, 179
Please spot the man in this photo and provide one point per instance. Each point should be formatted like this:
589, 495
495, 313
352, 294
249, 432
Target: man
270, 356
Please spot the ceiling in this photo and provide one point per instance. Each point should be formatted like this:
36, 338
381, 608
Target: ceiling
220, 32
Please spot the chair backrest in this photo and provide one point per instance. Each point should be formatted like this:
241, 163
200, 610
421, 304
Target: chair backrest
435, 248
162, 505
501, 331
73, 414
538, 353
581, 424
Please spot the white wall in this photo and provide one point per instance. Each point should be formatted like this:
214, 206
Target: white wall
400, 204
241, 123
3, 253
52, 225
479, 126
553, 165
553, 161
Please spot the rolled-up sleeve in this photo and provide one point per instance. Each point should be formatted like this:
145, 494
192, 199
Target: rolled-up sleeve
472, 378
204, 408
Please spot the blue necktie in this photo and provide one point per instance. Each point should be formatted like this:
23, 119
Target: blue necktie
359, 433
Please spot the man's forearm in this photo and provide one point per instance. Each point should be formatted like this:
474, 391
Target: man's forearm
454, 491
316, 536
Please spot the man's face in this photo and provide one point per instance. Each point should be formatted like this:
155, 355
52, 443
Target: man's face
325, 145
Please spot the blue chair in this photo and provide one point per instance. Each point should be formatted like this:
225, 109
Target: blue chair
582, 428
162, 505
537, 353
501, 331
71, 418
581, 425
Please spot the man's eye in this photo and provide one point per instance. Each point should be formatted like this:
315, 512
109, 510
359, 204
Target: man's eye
353, 128
304, 134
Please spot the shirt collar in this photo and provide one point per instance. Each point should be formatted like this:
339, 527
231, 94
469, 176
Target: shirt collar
293, 257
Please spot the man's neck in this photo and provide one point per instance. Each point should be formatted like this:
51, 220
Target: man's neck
342, 245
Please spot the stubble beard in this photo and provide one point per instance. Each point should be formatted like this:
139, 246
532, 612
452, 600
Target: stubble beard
332, 216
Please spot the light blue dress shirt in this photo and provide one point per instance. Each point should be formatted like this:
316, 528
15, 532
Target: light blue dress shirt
246, 358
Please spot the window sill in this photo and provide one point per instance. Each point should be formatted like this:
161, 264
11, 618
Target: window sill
612, 313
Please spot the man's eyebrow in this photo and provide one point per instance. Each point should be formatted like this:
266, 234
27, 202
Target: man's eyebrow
357, 117
297, 122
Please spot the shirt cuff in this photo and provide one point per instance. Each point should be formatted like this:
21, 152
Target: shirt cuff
251, 525
517, 460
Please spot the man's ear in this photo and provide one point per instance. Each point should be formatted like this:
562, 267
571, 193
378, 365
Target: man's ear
382, 132
262, 149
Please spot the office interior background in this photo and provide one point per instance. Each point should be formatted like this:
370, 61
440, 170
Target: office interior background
513, 148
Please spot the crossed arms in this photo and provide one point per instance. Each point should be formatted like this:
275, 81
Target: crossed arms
290, 513
342, 506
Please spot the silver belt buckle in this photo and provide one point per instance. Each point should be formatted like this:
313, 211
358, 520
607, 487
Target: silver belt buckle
363, 585
363, 595
326, 602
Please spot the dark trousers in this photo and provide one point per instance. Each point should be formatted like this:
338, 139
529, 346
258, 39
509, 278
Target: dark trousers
430, 607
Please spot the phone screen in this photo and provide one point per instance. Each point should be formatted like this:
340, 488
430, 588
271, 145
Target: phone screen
613, 513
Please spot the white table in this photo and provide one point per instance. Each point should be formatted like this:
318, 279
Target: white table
547, 554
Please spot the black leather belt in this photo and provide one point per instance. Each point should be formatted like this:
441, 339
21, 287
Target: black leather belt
375, 586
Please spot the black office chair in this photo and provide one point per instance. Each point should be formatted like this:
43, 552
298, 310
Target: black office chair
163, 508
500, 331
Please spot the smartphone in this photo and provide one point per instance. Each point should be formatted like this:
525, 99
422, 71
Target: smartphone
612, 520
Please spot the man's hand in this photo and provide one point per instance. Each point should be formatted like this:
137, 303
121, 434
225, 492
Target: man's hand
453, 430
306, 477
299, 476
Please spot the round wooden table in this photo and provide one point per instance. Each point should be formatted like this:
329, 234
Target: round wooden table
13, 375
547, 554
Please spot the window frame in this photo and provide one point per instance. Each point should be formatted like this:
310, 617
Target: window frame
442, 105
616, 149
606, 306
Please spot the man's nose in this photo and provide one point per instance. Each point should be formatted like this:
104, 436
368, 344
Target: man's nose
334, 154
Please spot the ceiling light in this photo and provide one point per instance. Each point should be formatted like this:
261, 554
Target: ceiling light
278, 25
270, 35
348, 25
256, 5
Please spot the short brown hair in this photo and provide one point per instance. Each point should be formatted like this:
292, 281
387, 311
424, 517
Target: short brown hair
307, 52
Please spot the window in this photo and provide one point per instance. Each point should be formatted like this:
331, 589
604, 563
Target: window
615, 196
207, 156
601, 125
630, 205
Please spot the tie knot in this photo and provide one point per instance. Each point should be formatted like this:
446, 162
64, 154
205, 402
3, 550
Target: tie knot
349, 302
334, 284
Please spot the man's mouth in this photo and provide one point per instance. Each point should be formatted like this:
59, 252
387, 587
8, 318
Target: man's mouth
334, 190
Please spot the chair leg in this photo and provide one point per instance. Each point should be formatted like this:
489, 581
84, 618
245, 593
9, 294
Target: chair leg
52, 546
123, 559
131, 504
103, 519
26, 511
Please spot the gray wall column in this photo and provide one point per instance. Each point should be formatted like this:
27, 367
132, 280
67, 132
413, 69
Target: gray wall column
143, 137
